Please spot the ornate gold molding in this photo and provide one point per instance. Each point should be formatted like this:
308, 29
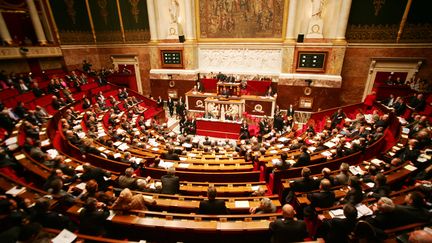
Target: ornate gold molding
371, 33
76, 37
15, 53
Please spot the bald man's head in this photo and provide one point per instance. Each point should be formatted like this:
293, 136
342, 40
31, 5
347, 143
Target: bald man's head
288, 211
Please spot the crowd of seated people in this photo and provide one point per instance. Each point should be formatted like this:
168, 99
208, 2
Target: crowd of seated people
98, 198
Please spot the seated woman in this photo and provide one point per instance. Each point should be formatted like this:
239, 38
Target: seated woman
266, 206
128, 201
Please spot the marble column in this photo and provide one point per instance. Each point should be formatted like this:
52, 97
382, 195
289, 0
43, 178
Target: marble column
343, 19
4, 32
290, 35
189, 20
36, 22
152, 20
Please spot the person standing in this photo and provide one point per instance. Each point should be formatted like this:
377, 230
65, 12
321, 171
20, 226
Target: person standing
170, 106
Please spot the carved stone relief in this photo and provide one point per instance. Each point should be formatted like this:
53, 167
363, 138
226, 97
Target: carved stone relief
240, 60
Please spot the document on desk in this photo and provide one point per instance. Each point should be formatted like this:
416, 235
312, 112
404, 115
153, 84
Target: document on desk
337, 213
241, 204
19, 156
14, 191
410, 167
363, 210
65, 236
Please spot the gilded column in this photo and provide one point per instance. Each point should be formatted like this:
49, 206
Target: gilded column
343, 19
189, 20
152, 20
36, 22
4, 32
290, 35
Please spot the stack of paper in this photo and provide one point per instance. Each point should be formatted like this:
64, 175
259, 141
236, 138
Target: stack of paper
14, 191
326, 154
65, 236
19, 156
410, 167
337, 213
241, 204
363, 210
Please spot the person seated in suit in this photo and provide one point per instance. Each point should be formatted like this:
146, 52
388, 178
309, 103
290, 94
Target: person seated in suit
415, 208
339, 229
355, 194
304, 158
386, 214
47, 218
212, 206
389, 101
170, 182
343, 177
399, 106
288, 229
306, 183
380, 189
170, 154
92, 217
266, 206
97, 174
127, 180
325, 198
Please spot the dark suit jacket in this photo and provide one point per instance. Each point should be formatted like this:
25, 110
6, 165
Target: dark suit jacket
288, 230
304, 185
336, 230
303, 160
322, 199
170, 184
213, 207
169, 156
93, 223
401, 215
98, 175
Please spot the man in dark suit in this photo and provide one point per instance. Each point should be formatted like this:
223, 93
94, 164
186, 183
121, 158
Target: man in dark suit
304, 158
170, 182
170, 154
338, 230
96, 173
92, 217
323, 199
212, 205
170, 106
337, 118
160, 102
288, 229
199, 86
306, 183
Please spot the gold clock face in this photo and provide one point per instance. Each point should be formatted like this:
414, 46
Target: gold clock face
315, 28
307, 91
172, 84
